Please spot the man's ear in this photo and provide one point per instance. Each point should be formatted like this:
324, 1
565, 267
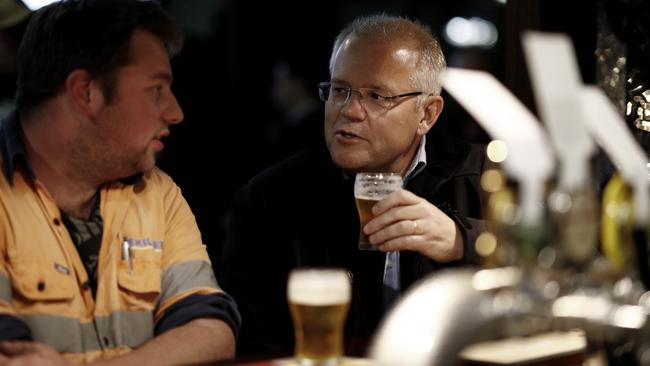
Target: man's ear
83, 91
432, 108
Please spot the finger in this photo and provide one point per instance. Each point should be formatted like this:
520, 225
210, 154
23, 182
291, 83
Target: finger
394, 215
408, 242
395, 199
404, 231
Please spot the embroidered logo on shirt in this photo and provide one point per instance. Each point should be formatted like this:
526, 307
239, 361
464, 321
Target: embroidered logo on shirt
61, 268
143, 243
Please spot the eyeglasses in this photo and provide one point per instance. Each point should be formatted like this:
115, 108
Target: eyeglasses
380, 101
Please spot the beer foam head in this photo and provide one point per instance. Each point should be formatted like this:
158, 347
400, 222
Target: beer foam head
318, 287
375, 186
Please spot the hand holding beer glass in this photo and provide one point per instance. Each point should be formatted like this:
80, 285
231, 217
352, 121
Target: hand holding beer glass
318, 302
368, 189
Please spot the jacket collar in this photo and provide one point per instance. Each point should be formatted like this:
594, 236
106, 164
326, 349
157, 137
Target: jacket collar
445, 153
445, 159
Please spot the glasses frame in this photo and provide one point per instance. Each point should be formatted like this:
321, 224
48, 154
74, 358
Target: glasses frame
324, 91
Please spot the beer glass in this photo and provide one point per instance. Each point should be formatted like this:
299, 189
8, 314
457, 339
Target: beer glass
318, 302
368, 189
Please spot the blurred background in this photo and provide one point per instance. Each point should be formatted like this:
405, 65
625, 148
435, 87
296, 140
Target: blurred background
247, 75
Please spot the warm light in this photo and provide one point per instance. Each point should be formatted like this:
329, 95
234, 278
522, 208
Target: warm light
629, 316
486, 244
492, 180
488, 279
580, 306
497, 151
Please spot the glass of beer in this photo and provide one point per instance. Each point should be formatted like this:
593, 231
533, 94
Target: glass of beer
368, 189
318, 302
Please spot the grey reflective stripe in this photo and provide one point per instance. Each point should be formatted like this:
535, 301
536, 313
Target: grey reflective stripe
185, 276
130, 328
5, 288
64, 334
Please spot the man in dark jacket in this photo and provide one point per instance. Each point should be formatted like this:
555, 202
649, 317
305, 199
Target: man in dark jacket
382, 99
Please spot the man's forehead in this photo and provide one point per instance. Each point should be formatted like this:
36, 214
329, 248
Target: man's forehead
372, 60
401, 48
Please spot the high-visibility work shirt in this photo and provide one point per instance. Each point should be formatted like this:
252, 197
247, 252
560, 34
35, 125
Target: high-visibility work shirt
151, 261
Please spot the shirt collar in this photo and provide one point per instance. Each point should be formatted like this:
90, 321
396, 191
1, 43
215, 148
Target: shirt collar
419, 161
12, 147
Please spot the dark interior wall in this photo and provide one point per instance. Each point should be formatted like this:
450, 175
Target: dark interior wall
577, 20
223, 77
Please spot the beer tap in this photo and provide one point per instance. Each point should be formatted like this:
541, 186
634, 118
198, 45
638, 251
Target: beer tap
603, 296
442, 314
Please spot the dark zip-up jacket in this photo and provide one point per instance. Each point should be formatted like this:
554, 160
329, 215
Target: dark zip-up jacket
301, 213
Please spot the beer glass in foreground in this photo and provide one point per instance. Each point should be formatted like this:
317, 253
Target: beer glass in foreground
368, 189
318, 302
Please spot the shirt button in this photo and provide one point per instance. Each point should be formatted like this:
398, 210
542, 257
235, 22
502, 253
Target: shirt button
40, 286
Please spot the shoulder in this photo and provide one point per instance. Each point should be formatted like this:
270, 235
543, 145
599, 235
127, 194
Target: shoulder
154, 183
157, 176
464, 156
476, 154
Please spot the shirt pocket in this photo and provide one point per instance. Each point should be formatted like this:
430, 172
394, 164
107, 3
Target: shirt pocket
35, 281
139, 278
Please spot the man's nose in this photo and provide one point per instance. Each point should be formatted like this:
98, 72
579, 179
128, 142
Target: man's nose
174, 112
353, 108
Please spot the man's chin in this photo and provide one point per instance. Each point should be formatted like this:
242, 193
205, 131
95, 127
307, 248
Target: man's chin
146, 165
348, 163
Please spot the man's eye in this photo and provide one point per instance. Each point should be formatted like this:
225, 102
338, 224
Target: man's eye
378, 97
339, 90
157, 91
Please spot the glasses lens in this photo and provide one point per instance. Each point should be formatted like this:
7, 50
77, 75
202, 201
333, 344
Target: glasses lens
339, 95
378, 100
373, 100
324, 91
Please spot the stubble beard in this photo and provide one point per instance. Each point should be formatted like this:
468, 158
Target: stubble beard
101, 163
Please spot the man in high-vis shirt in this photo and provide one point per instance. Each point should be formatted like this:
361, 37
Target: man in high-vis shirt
101, 259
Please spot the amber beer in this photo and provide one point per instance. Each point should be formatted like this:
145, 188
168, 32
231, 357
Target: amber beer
318, 302
369, 188
364, 206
